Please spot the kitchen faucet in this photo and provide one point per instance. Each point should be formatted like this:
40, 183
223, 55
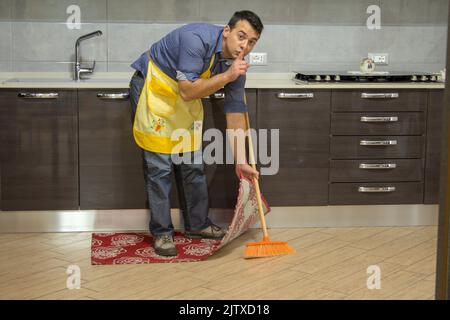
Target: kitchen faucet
79, 70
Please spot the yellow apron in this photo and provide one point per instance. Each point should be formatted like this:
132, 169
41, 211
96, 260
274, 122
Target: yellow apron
164, 122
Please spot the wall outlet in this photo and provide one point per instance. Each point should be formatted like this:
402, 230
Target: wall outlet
258, 58
379, 58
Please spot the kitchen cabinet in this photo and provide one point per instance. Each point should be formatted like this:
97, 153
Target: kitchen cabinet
303, 120
111, 167
223, 183
377, 146
39, 149
67, 149
435, 134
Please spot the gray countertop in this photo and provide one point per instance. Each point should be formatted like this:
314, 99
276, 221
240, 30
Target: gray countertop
120, 80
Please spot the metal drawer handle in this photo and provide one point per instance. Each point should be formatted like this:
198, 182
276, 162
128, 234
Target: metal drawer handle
47, 95
376, 189
366, 95
285, 95
113, 96
379, 119
377, 142
377, 165
219, 95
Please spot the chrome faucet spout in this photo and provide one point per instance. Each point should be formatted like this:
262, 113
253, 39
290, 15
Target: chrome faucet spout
78, 70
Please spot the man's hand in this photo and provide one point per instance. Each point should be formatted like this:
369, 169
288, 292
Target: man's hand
238, 68
247, 171
201, 88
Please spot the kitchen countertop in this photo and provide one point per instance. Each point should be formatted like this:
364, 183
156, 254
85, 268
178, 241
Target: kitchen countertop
120, 80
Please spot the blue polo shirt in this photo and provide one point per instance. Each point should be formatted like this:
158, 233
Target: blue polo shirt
186, 52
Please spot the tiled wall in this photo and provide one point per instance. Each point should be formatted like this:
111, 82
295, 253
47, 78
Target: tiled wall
299, 34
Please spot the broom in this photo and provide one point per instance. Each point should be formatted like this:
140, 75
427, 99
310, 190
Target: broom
266, 247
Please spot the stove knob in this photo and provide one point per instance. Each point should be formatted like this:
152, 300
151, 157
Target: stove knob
318, 78
337, 78
414, 78
327, 78
424, 78
433, 78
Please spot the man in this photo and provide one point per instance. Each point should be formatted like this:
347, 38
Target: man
186, 65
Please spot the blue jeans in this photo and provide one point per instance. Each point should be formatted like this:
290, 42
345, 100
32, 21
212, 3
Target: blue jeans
190, 180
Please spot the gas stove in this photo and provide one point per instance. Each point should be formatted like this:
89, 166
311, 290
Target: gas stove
357, 76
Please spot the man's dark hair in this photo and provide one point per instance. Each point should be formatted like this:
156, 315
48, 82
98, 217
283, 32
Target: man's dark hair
249, 16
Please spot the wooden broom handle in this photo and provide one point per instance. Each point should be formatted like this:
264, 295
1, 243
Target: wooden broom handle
255, 181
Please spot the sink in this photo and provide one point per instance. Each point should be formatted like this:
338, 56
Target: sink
66, 80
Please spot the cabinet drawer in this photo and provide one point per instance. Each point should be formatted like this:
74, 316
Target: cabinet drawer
376, 170
388, 123
376, 193
377, 147
379, 100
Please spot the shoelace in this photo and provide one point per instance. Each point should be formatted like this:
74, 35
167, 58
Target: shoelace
166, 238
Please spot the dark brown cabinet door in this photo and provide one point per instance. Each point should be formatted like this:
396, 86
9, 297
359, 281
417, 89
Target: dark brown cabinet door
303, 120
39, 154
111, 172
435, 127
223, 184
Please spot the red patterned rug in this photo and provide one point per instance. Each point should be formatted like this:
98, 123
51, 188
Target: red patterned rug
137, 248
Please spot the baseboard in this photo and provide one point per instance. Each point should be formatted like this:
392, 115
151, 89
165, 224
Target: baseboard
279, 217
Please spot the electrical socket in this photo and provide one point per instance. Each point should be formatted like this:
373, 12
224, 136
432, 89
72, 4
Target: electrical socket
379, 58
258, 58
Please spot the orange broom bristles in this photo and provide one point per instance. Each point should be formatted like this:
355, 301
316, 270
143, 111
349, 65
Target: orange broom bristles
267, 248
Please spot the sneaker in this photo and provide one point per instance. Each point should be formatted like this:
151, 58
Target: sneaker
164, 245
210, 232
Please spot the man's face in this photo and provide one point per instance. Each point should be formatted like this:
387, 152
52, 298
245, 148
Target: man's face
241, 38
